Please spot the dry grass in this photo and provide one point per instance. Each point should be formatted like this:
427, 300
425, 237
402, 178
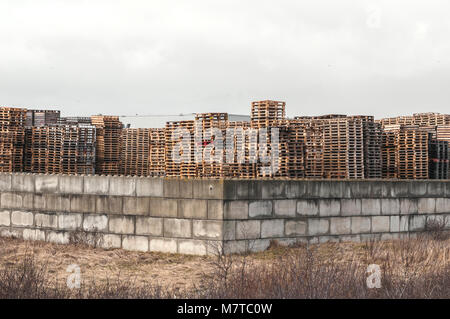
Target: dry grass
412, 268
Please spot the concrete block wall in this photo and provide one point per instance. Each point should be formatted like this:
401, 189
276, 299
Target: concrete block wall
197, 216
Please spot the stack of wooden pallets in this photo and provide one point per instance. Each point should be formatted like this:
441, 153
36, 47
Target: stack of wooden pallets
157, 151
439, 159
42, 117
266, 113
135, 151
431, 119
179, 156
443, 133
108, 132
388, 154
412, 153
12, 139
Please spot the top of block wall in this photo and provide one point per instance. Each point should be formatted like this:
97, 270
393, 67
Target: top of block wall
228, 189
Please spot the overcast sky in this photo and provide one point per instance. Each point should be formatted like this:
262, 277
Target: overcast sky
384, 58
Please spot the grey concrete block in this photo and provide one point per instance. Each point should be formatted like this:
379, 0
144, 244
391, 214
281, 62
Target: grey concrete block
10, 232
98, 185
229, 230
46, 220
394, 224
70, 221
400, 189
206, 189
39, 202
418, 188
193, 208
121, 224
295, 189
257, 245
171, 188
82, 203
163, 207
149, 226
58, 237
417, 222
95, 223
192, 247
329, 207
22, 182
295, 228
390, 206
108, 204
5, 182
380, 224
349, 239
404, 223
307, 208
235, 247
388, 236
318, 226
215, 209
122, 186
236, 209
426, 205
149, 187
360, 225
19, 218
207, 229
340, 225
408, 206
46, 183
351, 207
271, 189
179, 228
442, 205
111, 241
272, 228
248, 229
328, 239
5, 218
136, 205
163, 245
187, 188
135, 243
370, 206
70, 184
435, 188
11, 200
260, 208
285, 208
27, 201
33, 234
57, 203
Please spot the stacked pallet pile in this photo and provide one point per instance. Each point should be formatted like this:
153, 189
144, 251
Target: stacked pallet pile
135, 151
157, 151
313, 146
443, 133
389, 151
412, 153
42, 117
439, 159
12, 139
108, 132
179, 161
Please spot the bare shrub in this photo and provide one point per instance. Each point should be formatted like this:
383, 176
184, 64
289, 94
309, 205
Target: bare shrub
91, 238
437, 228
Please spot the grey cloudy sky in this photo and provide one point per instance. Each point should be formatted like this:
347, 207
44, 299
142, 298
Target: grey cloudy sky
384, 58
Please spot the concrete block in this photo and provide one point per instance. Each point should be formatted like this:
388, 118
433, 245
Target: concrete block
33, 234
295, 228
312, 189
22, 182
370, 206
95, 223
435, 188
206, 189
136, 205
370, 237
390, 206
258, 245
248, 229
70, 184
271, 189
108, 204
236, 209
5, 218
70, 221
408, 206
98, 185
351, 207
426, 205
19, 218
307, 208
349, 239
192, 247
215, 209
163, 207
82, 203
58, 237
318, 226
11, 200
360, 189
122, 186
171, 188
149, 226
404, 223
121, 224
394, 224
207, 229
111, 241
179, 228
380, 224
5, 182
135, 243
388, 236
46, 183
340, 225
46, 220
261, 208
417, 222
39, 202
418, 189
400, 189
328, 239
360, 225
295, 189
187, 188
442, 205
235, 247
149, 187
27, 201
285, 208
329, 207
272, 228
229, 230
163, 245
193, 208
57, 203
